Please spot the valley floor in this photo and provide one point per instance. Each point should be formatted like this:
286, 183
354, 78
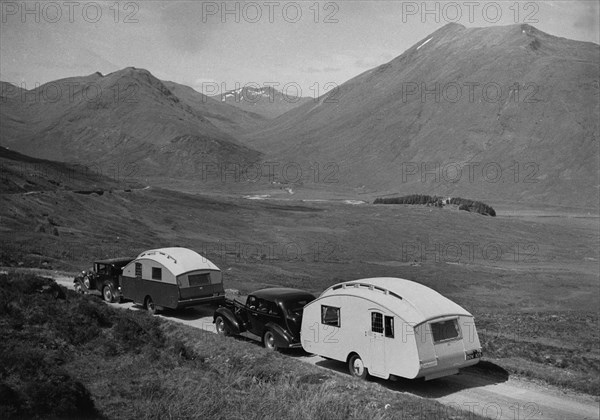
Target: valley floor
531, 282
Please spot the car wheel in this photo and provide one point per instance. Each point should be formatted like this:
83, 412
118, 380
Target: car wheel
79, 287
221, 326
150, 306
108, 293
357, 367
269, 340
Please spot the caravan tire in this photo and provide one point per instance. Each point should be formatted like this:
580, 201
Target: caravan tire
221, 326
269, 340
149, 305
357, 367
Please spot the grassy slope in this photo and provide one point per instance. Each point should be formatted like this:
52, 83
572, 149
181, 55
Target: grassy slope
535, 308
76, 357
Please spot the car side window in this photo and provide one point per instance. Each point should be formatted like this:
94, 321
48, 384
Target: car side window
263, 305
251, 302
272, 308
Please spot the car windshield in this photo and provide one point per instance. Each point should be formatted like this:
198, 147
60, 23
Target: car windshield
294, 307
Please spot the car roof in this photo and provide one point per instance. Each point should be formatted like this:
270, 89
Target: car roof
281, 293
116, 261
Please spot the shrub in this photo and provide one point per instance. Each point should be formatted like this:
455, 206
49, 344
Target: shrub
59, 395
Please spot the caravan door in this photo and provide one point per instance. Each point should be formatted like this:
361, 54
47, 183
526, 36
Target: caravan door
377, 346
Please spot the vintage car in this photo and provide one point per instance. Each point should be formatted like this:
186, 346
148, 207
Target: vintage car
104, 277
272, 315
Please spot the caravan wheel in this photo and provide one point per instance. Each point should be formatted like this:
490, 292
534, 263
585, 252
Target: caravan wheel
149, 305
357, 367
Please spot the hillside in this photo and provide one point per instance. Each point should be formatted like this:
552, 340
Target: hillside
428, 107
125, 117
20, 174
70, 356
266, 101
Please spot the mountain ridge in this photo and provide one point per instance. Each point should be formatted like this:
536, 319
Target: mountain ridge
125, 114
498, 113
408, 112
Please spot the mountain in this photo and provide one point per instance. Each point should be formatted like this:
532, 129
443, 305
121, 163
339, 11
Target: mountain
128, 116
266, 101
445, 118
230, 119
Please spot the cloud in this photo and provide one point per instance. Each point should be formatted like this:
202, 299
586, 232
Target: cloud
588, 20
320, 70
373, 61
183, 26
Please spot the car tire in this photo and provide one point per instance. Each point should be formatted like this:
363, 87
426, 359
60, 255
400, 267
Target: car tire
221, 326
150, 306
357, 367
269, 341
108, 293
79, 288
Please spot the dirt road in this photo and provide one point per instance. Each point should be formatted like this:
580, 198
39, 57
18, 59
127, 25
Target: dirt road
491, 395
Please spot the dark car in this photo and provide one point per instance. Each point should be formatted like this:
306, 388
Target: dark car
105, 278
272, 315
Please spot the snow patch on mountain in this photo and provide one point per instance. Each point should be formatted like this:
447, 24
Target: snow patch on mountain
424, 43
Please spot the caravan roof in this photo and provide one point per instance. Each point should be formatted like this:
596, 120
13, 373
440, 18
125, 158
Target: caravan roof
178, 260
414, 302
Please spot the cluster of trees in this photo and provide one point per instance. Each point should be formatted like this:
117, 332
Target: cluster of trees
413, 199
428, 200
473, 206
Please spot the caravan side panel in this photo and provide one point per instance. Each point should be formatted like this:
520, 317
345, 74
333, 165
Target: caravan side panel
143, 278
332, 327
386, 349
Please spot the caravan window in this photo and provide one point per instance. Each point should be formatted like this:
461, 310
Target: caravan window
138, 270
156, 273
330, 315
445, 330
376, 322
389, 326
381, 324
199, 279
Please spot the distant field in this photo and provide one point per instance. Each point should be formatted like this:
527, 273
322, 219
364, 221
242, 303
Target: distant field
531, 282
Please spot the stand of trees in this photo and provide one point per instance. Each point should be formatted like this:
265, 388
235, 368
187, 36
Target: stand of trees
462, 203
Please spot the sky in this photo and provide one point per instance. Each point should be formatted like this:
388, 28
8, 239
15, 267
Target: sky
214, 46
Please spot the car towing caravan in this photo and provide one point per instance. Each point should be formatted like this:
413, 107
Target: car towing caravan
388, 327
171, 278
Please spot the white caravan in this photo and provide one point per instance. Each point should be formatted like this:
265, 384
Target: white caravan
390, 327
